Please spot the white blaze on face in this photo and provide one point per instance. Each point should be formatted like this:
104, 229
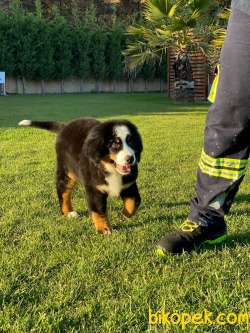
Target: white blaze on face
122, 156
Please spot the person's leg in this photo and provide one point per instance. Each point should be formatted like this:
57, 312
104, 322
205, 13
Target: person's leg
226, 146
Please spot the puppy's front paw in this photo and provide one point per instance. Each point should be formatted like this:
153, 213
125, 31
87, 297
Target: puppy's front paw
104, 231
126, 213
130, 207
73, 215
101, 223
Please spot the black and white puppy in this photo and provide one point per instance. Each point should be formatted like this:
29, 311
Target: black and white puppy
103, 157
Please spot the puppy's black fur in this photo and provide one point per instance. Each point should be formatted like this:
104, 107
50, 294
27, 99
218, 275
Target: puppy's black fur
86, 152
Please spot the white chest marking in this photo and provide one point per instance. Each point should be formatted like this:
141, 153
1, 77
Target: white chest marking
114, 184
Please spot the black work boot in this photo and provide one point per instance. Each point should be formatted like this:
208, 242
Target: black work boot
190, 236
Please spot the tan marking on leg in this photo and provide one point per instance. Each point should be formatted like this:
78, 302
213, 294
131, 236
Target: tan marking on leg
101, 223
129, 207
66, 196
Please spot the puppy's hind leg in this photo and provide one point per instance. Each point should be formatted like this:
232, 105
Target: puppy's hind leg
65, 183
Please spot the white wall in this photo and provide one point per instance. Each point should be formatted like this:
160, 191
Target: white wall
73, 85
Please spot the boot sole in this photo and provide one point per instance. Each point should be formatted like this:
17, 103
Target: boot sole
216, 241
219, 240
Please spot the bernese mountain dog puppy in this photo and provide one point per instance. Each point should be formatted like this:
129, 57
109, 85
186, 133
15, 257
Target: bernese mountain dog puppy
103, 157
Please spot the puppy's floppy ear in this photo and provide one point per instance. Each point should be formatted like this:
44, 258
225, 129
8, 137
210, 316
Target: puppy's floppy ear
139, 146
95, 147
137, 142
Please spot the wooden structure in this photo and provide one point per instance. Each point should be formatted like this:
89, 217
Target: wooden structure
200, 75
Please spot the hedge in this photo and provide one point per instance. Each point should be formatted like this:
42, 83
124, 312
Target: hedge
36, 48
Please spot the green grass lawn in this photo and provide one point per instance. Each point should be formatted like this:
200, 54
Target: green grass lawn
58, 275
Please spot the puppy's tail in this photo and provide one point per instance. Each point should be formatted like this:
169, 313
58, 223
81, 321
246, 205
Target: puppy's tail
47, 125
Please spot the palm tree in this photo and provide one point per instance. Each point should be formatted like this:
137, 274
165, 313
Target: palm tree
218, 34
182, 25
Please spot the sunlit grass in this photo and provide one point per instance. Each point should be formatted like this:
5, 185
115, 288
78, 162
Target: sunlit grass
57, 275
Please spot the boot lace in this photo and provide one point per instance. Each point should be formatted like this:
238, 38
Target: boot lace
189, 226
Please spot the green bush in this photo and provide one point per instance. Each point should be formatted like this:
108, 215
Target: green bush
61, 40
98, 60
114, 56
81, 61
34, 47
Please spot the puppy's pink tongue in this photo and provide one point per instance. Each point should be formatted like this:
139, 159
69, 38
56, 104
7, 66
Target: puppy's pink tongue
126, 168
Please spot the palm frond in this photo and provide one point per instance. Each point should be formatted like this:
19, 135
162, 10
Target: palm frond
178, 24
199, 4
157, 10
225, 14
136, 31
139, 53
219, 37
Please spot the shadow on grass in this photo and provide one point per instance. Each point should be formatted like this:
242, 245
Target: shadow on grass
239, 210
166, 221
241, 198
69, 107
173, 113
242, 238
83, 213
233, 240
236, 239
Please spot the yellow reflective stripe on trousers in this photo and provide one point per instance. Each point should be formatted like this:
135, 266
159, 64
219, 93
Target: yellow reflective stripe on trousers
223, 162
224, 173
227, 168
214, 87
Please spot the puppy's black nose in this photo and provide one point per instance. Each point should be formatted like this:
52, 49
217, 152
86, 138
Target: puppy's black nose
130, 159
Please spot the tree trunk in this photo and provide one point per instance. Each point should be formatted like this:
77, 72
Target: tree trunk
42, 87
97, 88
62, 87
81, 86
23, 85
161, 86
16, 85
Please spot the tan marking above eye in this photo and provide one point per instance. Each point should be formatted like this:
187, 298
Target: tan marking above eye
108, 159
117, 140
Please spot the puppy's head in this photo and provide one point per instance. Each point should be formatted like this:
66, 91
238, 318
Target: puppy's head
117, 143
